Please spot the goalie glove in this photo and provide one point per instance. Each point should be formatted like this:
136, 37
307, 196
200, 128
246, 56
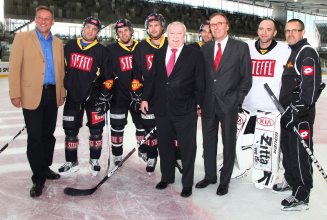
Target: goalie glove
102, 103
136, 102
293, 113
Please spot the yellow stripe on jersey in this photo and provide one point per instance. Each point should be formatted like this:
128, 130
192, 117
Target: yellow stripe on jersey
123, 46
148, 39
80, 46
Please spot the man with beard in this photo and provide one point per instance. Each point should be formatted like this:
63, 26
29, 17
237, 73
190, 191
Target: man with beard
122, 57
299, 93
88, 81
205, 35
268, 58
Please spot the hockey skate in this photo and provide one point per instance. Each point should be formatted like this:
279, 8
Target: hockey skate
282, 188
117, 159
178, 165
292, 204
143, 157
151, 165
94, 166
68, 168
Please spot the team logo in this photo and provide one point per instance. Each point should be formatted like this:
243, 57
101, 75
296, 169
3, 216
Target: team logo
126, 63
265, 121
151, 17
117, 140
94, 21
68, 118
207, 21
240, 120
263, 51
108, 84
308, 70
96, 118
265, 68
120, 24
136, 84
139, 138
97, 143
80, 61
149, 59
304, 134
289, 65
71, 145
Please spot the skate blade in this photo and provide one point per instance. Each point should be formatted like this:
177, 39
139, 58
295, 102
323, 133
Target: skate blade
296, 208
149, 174
70, 171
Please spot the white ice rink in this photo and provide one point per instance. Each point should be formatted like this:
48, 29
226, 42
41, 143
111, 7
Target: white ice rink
130, 193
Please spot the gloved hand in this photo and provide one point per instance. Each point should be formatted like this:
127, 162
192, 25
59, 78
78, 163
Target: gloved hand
102, 104
292, 114
136, 102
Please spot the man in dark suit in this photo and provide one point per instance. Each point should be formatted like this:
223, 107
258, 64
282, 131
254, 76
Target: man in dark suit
177, 83
228, 79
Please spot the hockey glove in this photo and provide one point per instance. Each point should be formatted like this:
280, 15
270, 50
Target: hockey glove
136, 102
102, 104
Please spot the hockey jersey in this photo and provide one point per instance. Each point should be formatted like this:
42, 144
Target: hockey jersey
267, 67
142, 62
122, 62
87, 69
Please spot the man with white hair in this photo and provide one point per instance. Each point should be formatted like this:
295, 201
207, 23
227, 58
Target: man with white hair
177, 84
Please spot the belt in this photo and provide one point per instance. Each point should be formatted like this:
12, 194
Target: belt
47, 86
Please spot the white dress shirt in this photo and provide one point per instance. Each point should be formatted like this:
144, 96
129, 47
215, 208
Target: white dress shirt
169, 52
222, 46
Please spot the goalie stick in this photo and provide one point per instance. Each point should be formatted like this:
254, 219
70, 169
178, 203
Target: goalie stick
281, 110
86, 192
108, 146
6, 145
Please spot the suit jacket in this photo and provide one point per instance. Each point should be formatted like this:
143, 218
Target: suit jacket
185, 87
233, 79
27, 68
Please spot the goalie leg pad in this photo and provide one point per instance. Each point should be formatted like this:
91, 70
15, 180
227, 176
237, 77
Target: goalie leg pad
117, 137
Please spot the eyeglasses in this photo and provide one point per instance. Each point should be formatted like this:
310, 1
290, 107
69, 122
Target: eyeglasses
91, 29
294, 31
219, 24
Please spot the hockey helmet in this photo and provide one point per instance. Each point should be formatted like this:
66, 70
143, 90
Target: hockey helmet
123, 23
154, 17
94, 21
207, 22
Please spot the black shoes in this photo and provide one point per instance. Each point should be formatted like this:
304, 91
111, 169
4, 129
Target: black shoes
162, 185
36, 189
204, 183
51, 175
222, 190
186, 192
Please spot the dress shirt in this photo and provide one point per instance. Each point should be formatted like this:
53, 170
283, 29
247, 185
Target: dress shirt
169, 52
46, 44
222, 45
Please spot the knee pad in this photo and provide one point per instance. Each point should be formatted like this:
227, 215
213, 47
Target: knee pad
95, 141
140, 132
71, 132
117, 136
71, 143
96, 131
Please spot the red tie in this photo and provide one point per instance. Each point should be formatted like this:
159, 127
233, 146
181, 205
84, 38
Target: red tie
218, 57
171, 62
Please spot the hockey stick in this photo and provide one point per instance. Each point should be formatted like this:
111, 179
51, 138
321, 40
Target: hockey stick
86, 192
108, 145
6, 145
281, 110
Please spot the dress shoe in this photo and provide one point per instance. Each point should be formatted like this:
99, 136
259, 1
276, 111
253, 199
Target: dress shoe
186, 192
162, 185
222, 189
36, 189
51, 175
204, 183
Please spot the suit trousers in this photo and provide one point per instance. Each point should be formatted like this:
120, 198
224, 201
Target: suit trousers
228, 123
185, 127
40, 126
296, 161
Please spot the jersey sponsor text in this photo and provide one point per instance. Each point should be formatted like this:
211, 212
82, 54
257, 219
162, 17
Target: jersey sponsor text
149, 59
80, 61
265, 68
126, 63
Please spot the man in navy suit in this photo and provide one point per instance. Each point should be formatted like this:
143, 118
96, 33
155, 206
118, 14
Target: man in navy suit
177, 84
228, 78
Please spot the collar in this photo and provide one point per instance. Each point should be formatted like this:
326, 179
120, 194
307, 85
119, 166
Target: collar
123, 46
223, 42
178, 49
80, 46
299, 44
42, 37
148, 39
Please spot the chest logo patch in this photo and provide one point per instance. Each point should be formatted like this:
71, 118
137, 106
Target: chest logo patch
149, 59
289, 65
80, 61
126, 63
136, 84
264, 68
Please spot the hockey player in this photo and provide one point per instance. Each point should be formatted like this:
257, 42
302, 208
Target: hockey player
88, 81
299, 93
142, 62
268, 58
205, 35
122, 56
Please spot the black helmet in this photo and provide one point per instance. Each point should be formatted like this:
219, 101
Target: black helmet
155, 17
123, 23
94, 21
207, 22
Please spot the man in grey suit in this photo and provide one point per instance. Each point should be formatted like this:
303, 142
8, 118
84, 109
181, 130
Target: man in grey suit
228, 78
